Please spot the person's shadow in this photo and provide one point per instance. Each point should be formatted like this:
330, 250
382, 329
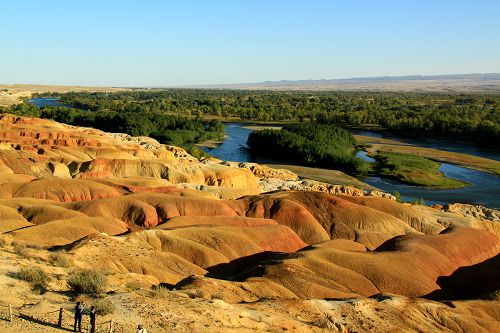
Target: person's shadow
43, 323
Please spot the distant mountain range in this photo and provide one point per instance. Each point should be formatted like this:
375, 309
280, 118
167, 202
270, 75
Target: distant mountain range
489, 82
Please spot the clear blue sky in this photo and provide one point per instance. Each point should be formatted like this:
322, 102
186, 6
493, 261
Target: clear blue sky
162, 43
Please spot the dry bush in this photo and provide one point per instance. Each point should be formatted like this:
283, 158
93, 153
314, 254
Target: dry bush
3, 242
88, 282
160, 291
59, 260
21, 250
34, 246
103, 307
194, 294
34, 275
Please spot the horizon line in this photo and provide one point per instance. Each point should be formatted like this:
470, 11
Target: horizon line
255, 82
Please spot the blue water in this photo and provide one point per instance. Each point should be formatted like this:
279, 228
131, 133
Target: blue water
484, 189
364, 156
40, 102
234, 147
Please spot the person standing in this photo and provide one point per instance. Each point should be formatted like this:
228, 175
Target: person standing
92, 319
141, 329
78, 316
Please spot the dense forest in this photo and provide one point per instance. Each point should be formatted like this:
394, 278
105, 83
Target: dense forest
468, 116
309, 144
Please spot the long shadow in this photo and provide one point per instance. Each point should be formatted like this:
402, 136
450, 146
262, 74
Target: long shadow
238, 269
43, 323
472, 282
241, 268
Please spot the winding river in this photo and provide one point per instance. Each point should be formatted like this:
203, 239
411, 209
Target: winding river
484, 189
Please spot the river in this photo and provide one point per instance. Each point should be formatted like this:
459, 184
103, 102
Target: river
234, 147
484, 189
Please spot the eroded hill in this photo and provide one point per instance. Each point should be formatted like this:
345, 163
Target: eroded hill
249, 247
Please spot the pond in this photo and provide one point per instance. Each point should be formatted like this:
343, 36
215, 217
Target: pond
40, 102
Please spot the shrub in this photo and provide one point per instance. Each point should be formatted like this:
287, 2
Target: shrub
160, 291
36, 276
21, 249
3, 242
103, 307
87, 282
197, 152
420, 201
398, 196
59, 259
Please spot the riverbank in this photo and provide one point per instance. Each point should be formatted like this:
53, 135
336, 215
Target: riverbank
413, 170
375, 145
211, 144
322, 175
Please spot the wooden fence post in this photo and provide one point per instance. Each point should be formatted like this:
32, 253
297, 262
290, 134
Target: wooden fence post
60, 320
111, 326
10, 313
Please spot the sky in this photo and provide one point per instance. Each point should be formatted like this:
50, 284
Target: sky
175, 43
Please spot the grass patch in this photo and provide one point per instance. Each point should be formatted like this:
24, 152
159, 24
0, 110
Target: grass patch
59, 260
414, 170
88, 282
470, 161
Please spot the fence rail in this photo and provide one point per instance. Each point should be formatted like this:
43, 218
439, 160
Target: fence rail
105, 327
